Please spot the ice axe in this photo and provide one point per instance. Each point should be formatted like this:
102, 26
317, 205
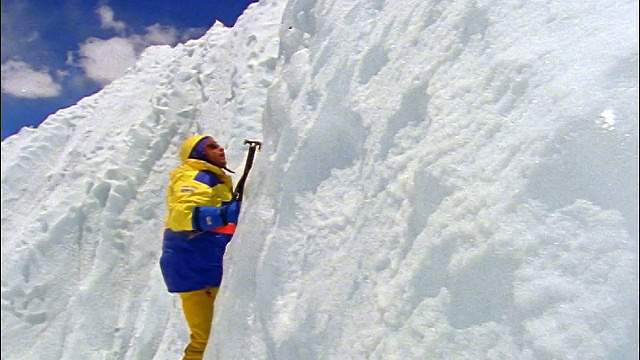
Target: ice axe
253, 146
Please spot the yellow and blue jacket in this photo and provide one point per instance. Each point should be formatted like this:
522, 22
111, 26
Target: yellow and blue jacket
195, 236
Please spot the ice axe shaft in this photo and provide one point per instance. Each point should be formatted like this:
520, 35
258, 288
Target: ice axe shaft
253, 146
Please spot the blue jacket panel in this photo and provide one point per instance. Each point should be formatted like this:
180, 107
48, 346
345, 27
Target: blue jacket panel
192, 261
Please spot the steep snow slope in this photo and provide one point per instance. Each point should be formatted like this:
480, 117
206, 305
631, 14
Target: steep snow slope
452, 179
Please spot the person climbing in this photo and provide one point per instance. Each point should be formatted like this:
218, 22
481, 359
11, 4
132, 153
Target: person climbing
200, 222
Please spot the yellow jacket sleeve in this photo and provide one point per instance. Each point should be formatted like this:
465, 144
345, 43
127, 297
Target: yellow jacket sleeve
187, 190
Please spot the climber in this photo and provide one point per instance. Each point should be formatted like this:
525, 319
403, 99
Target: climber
200, 222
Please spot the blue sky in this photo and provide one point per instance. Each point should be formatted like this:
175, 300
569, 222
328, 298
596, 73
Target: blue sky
56, 52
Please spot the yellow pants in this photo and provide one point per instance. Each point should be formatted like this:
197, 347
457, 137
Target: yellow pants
198, 311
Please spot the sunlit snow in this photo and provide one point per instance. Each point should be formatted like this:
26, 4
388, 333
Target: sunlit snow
438, 180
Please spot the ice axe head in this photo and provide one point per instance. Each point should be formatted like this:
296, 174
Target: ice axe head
253, 143
253, 146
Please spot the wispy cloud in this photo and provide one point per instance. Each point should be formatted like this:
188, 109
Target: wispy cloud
101, 60
107, 21
21, 80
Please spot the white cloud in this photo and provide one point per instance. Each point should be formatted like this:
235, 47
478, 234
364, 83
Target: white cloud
106, 60
161, 35
19, 79
102, 60
106, 19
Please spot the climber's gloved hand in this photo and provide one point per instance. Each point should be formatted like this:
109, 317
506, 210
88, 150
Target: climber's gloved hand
231, 211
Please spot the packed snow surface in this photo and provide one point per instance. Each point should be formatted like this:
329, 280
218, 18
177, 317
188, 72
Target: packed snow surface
438, 180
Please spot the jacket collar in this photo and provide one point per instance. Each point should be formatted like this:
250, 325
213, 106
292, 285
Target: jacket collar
203, 165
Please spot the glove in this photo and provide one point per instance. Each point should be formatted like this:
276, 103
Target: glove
231, 211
